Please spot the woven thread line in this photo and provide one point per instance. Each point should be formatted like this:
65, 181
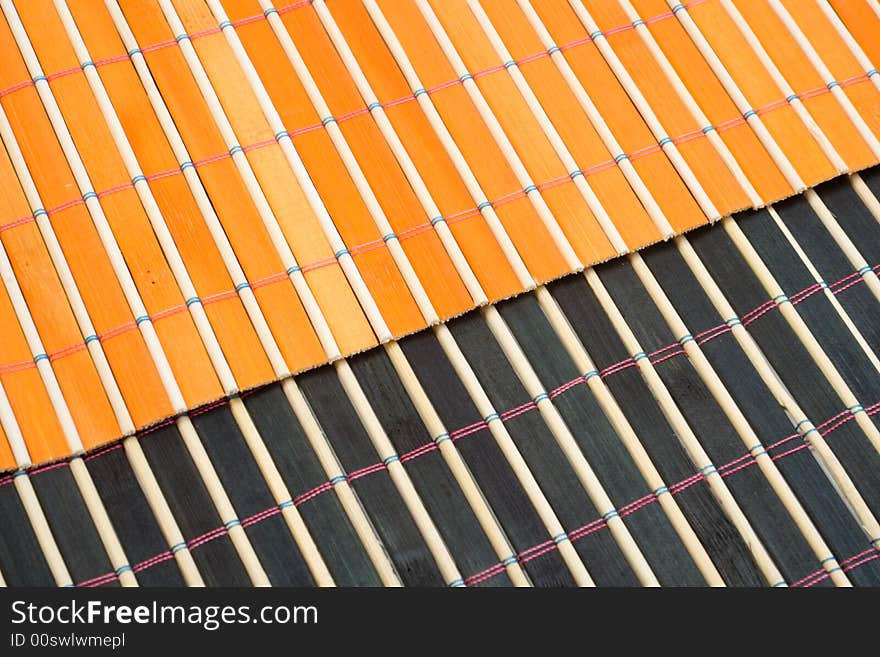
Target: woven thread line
656, 357
356, 250
364, 247
541, 549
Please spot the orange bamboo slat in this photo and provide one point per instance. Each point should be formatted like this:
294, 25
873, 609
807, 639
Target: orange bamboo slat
191, 236
758, 86
287, 199
129, 222
702, 83
572, 122
82, 247
708, 166
7, 460
805, 81
262, 266
24, 388
400, 204
837, 57
863, 23
424, 147
565, 201
53, 317
327, 171
622, 117
473, 138
366, 161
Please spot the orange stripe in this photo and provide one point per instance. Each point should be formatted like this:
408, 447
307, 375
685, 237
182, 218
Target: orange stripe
437, 170
284, 312
714, 101
53, 317
194, 242
621, 115
287, 199
124, 212
426, 252
803, 77
327, 170
706, 164
566, 203
475, 141
582, 140
94, 276
755, 82
837, 57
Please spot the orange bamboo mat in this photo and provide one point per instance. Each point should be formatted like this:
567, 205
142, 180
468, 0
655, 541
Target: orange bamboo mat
372, 168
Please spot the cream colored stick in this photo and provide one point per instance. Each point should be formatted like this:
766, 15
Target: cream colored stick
829, 295
763, 368
784, 87
80, 474
801, 330
846, 36
712, 380
301, 409
195, 308
523, 369
597, 120
553, 136
825, 73
749, 254
29, 501
738, 421
739, 98
137, 460
423, 406
526, 182
352, 388
680, 90
470, 381
40, 525
579, 357
138, 310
